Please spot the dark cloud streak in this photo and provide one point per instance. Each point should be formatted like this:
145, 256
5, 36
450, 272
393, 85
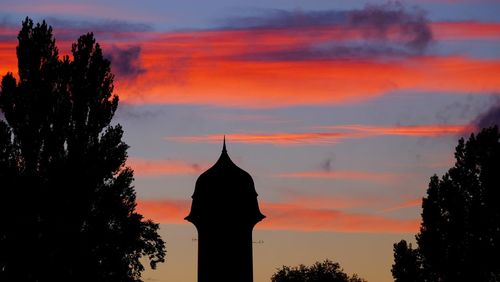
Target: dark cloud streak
491, 116
283, 19
125, 61
327, 164
388, 30
378, 21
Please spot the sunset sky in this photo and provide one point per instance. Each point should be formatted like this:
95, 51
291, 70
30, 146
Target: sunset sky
340, 110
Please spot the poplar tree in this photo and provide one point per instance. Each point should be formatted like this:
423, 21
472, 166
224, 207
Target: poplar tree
68, 207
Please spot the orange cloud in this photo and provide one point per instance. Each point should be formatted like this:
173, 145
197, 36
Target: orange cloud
147, 167
330, 137
466, 30
434, 130
164, 211
342, 174
271, 138
296, 217
290, 216
404, 205
214, 68
338, 202
8, 57
197, 79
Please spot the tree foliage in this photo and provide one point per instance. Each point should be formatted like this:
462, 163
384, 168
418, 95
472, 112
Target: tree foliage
407, 263
67, 201
459, 238
326, 271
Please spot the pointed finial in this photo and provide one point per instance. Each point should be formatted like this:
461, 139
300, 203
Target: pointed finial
224, 145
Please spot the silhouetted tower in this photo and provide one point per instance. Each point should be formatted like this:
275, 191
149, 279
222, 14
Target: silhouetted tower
224, 211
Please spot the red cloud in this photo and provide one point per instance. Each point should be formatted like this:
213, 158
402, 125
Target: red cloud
147, 167
404, 205
293, 217
466, 30
290, 216
164, 211
432, 130
272, 138
215, 67
199, 78
342, 174
7, 55
331, 137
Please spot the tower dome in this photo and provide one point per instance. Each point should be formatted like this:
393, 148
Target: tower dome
224, 193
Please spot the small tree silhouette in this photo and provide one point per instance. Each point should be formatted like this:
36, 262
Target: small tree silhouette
407, 266
459, 238
67, 210
326, 271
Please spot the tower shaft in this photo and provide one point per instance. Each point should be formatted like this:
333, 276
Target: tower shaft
225, 255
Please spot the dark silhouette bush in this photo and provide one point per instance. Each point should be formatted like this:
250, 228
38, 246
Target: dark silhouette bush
326, 271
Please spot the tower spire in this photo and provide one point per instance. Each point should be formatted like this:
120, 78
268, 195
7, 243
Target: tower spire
224, 145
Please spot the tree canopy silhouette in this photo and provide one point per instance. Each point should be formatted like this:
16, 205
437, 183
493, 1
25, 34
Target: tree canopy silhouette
459, 238
67, 210
326, 271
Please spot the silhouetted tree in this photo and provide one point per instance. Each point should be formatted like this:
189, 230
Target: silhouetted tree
406, 267
459, 238
326, 271
67, 206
